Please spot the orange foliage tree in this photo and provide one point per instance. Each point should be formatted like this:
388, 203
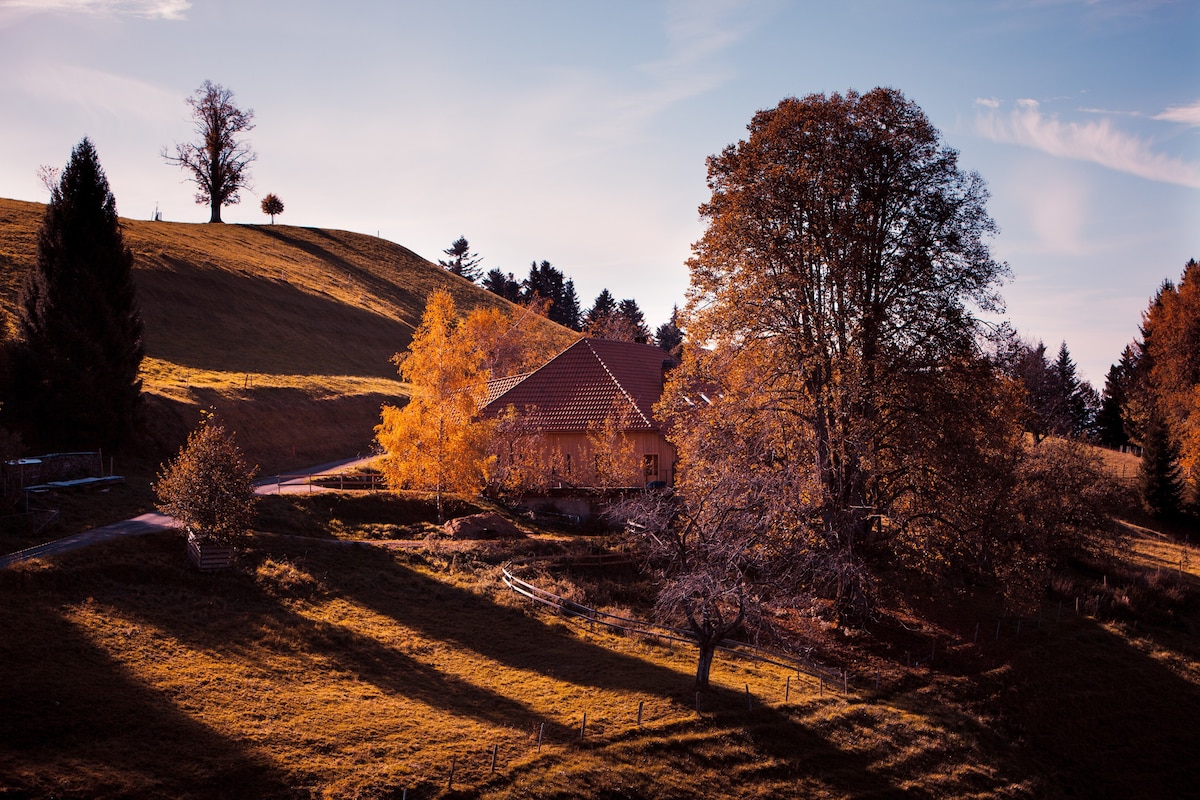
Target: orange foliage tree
208, 486
437, 442
1173, 340
836, 288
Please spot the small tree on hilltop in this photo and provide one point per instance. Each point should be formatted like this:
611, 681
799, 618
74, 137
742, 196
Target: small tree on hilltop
271, 206
220, 164
208, 487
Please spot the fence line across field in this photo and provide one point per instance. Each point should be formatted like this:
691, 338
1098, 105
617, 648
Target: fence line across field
644, 628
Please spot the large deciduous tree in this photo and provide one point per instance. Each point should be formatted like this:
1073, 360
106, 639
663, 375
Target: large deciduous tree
77, 365
844, 258
437, 442
219, 164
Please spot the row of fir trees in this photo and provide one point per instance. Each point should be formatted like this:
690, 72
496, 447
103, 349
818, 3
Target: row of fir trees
549, 290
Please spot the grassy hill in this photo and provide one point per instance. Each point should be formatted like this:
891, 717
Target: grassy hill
288, 332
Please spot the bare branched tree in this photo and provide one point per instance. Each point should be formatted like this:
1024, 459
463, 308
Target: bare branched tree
219, 164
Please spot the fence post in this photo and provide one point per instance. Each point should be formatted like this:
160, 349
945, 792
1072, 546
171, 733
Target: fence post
541, 732
453, 764
495, 748
641, 705
787, 689
583, 727
749, 701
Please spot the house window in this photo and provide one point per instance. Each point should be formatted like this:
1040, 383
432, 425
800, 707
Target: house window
650, 466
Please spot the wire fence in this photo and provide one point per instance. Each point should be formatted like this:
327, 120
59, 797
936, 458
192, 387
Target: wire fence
637, 627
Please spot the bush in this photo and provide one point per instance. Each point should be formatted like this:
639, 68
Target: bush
207, 486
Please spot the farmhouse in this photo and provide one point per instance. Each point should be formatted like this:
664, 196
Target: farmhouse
591, 407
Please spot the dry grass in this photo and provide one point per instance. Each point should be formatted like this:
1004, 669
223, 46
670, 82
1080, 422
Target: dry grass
325, 668
288, 332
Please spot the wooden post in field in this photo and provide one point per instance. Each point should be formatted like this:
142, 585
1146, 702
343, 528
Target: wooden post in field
453, 764
749, 701
541, 733
583, 727
641, 705
787, 689
495, 749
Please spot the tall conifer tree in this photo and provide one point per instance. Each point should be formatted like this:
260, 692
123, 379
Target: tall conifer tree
78, 364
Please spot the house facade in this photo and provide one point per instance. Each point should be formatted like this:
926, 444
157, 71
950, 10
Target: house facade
590, 410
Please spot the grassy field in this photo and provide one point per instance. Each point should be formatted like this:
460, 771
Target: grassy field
322, 667
288, 332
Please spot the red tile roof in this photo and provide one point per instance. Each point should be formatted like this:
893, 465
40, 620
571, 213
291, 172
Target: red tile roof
589, 382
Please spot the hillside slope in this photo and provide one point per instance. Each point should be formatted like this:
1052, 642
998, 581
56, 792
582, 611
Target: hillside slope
288, 332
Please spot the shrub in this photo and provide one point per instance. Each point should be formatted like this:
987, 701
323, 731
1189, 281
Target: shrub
207, 486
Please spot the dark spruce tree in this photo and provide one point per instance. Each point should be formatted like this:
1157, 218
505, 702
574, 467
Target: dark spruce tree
77, 364
462, 261
1159, 480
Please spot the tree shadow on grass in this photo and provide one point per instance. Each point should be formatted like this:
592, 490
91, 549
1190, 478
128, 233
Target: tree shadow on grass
233, 618
235, 322
1100, 717
376, 284
74, 721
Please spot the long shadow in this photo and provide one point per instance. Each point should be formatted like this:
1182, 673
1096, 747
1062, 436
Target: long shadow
501, 633
1102, 718
240, 622
74, 717
377, 284
246, 323
765, 749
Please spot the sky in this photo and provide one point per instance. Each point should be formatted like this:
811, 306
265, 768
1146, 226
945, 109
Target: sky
577, 132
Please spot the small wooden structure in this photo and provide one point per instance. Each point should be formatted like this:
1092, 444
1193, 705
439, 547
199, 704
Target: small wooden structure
209, 555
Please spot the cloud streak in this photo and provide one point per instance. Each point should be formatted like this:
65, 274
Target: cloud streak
149, 9
1098, 142
1188, 115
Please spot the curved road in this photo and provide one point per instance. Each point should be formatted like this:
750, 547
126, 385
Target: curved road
153, 522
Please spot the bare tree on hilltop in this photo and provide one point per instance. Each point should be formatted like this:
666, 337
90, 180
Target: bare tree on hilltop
219, 164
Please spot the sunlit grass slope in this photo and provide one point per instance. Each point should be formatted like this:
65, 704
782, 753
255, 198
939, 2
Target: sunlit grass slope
287, 331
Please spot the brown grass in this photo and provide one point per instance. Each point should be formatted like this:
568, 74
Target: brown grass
325, 668
288, 332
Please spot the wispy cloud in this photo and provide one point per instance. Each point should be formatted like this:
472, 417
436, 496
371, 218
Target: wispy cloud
987, 102
1188, 115
96, 91
149, 9
1096, 141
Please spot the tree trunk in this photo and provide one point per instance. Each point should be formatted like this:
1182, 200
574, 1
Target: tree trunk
708, 649
216, 211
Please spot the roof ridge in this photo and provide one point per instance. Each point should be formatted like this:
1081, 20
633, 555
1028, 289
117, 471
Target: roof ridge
617, 383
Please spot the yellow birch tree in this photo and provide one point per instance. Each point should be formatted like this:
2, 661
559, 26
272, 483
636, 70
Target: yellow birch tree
437, 442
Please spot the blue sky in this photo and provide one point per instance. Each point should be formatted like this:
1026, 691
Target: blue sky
577, 132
